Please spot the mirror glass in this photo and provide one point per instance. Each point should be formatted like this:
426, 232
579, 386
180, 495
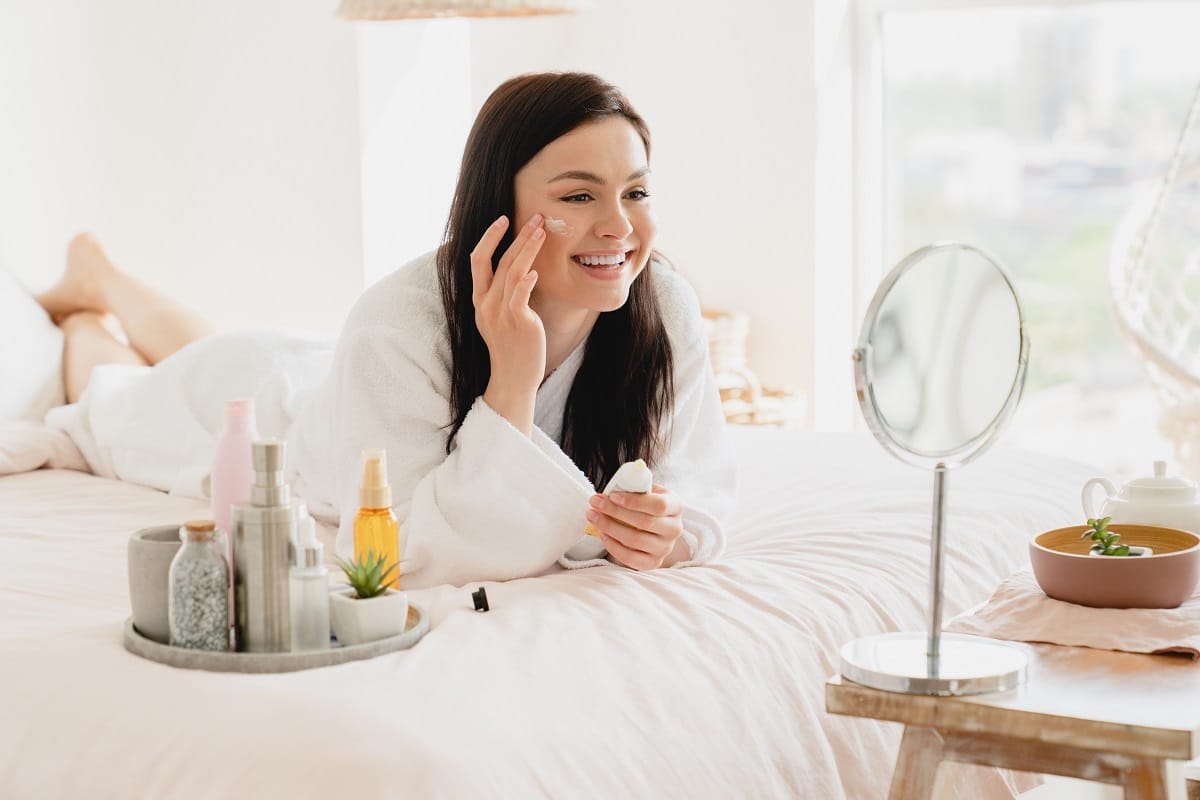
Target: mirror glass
943, 352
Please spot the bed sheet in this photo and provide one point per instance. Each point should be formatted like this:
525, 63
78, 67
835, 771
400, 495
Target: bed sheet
706, 682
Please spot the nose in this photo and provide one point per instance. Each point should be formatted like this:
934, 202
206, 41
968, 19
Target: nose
614, 222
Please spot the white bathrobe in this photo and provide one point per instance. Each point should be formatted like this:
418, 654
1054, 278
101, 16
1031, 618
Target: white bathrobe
501, 505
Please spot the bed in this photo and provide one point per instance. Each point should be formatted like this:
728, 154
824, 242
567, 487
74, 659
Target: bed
705, 682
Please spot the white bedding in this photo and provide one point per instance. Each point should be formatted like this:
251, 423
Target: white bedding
705, 682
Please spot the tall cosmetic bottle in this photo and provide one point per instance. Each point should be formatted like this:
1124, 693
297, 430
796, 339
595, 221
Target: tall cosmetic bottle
232, 475
375, 527
232, 469
264, 536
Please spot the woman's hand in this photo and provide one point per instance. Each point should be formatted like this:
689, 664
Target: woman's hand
513, 332
641, 531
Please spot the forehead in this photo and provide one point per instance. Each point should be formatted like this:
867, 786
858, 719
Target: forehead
610, 148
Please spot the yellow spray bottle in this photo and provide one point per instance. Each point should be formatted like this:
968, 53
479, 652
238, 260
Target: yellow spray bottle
376, 527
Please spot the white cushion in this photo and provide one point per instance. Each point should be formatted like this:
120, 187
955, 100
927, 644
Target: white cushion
31, 381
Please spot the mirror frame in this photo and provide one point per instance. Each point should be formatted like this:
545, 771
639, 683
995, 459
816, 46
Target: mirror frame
864, 390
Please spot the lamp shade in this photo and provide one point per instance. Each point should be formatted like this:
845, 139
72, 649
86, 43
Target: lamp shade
427, 9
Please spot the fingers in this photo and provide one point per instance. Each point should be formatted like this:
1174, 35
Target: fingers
481, 259
513, 268
522, 239
530, 242
524, 288
658, 502
628, 536
634, 518
634, 559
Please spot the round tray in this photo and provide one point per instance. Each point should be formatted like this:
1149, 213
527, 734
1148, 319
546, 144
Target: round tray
418, 626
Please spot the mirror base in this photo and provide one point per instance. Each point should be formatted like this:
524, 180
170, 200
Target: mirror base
897, 662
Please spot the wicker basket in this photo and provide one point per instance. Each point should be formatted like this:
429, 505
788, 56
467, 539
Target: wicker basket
743, 398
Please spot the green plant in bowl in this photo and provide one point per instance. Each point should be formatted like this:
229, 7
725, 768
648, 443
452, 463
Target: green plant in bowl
367, 575
1105, 540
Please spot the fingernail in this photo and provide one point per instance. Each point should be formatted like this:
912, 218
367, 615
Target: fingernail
537, 233
619, 499
593, 516
501, 221
597, 501
537, 220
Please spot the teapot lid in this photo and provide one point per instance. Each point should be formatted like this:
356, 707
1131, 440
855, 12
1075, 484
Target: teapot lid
1161, 480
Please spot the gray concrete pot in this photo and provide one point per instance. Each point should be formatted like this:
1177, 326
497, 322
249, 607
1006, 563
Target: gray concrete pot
150, 552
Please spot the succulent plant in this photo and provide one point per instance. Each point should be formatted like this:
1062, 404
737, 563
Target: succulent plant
1105, 540
367, 574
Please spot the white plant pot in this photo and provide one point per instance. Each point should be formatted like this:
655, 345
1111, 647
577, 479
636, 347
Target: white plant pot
1134, 550
356, 621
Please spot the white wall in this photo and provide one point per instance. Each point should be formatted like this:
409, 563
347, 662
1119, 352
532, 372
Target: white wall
213, 146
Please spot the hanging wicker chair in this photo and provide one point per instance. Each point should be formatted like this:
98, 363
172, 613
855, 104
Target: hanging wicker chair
1154, 278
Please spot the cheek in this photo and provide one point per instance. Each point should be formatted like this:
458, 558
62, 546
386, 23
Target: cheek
646, 224
554, 250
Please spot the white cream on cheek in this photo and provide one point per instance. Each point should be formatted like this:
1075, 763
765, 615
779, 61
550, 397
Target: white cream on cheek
559, 226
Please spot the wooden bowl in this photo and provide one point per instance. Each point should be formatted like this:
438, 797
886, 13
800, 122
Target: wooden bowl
1065, 571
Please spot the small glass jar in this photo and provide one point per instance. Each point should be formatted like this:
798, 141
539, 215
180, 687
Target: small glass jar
198, 602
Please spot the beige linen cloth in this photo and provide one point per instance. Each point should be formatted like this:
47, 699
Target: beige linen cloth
1020, 611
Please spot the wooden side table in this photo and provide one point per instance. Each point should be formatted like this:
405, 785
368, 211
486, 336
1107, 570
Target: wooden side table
1098, 715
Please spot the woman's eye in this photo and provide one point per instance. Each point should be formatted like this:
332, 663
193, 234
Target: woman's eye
638, 194
582, 197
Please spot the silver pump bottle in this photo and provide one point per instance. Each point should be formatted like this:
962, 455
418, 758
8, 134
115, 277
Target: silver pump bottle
264, 540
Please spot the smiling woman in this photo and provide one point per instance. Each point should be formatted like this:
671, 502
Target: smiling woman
508, 374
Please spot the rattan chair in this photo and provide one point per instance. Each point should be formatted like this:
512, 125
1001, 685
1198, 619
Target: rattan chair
1154, 279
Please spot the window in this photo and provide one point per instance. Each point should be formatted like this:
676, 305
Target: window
1026, 130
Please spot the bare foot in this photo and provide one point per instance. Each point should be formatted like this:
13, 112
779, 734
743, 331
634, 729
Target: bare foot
81, 286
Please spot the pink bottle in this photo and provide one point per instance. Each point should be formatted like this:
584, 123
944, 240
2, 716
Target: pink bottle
232, 468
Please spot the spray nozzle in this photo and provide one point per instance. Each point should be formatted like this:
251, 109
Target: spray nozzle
374, 491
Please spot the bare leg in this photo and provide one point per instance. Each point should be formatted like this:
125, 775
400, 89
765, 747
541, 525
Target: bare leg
156, 325
88, 344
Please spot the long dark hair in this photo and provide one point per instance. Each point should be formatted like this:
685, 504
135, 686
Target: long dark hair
624, 388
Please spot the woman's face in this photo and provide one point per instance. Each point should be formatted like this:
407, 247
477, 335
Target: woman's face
592, 186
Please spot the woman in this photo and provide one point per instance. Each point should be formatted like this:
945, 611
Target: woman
509, 374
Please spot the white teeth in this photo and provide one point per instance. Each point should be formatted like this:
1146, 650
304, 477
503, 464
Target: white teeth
601, 261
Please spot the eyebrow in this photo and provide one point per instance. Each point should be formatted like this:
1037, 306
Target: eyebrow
591, 177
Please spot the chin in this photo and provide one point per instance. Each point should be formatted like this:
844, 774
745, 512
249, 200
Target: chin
613, 303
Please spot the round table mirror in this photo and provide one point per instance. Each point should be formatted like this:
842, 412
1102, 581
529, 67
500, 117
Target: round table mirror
939, 369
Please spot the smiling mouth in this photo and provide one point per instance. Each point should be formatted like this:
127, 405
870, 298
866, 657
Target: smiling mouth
603, 263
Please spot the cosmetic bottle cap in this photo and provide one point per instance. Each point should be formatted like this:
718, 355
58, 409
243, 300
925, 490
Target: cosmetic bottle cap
375, 492
311, 552
198, 530
240, 413
479, 596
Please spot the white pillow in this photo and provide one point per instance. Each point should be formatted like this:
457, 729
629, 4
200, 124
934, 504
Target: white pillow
31, 381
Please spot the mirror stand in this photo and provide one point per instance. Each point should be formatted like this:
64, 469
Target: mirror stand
942, 314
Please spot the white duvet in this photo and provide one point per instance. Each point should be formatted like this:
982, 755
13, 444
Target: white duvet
705, 682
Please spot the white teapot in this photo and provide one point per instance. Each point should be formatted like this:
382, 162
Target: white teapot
1169, 501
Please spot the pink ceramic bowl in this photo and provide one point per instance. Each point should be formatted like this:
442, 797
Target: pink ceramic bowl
1065, 571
